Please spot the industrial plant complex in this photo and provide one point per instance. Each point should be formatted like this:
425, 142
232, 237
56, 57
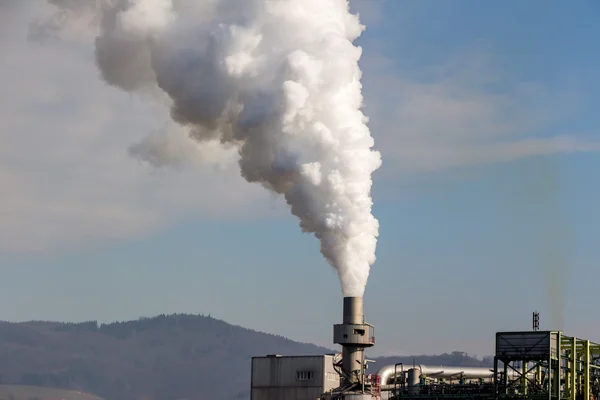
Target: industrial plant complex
527, 365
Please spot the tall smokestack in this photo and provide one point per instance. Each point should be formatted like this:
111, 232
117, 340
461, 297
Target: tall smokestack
354, 335
352, 356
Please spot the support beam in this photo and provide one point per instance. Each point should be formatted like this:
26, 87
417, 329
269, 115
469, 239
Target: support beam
495, 377
524, 370
586, 371
558, 364
573, 360
505, 377
568, 368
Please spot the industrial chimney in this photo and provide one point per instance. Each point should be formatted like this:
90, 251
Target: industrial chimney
354, 335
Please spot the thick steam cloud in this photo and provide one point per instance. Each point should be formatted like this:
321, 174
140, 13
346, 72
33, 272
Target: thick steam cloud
279, 81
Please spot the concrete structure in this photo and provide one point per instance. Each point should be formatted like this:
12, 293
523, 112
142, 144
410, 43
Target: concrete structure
277, 377
354, 335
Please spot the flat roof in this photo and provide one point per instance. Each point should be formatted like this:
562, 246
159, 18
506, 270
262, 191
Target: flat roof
292, 356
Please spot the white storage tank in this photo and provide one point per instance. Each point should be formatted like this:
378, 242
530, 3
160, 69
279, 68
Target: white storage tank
276, 377
414, 378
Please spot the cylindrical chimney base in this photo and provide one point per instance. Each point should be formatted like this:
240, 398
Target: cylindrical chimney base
352, 356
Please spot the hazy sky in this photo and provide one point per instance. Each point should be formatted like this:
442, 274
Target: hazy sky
486, 114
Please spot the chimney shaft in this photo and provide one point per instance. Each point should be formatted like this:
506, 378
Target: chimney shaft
354, 335
353, 310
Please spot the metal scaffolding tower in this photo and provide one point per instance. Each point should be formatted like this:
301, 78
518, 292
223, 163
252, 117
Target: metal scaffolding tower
546, 365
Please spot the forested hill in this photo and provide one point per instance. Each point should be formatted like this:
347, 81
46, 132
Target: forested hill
165, 357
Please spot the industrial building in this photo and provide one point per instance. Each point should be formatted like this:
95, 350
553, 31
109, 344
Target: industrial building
536, 365
295, 377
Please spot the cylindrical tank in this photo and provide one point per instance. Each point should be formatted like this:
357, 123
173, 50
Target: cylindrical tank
413, 380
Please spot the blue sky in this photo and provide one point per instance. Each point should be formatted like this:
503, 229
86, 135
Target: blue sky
486, 117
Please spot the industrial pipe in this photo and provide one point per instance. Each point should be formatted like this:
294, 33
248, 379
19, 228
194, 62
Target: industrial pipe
388, 375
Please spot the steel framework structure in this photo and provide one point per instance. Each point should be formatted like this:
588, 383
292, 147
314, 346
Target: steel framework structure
546, 365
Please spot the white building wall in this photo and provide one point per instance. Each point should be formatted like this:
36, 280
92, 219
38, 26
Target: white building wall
293, 377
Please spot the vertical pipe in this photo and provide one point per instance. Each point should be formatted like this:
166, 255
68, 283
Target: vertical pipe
524, 376
505, 378
362, 371
558, 364
395, 380
550, 377
568, 368
396, 377
586, 371
495, 377
573, 368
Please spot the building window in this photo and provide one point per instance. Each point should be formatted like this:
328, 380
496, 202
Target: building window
333, 377
304, 375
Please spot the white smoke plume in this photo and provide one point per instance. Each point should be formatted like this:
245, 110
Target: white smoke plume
279, 81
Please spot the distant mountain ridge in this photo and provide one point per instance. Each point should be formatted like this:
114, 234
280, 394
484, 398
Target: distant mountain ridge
20, 392
177, 356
